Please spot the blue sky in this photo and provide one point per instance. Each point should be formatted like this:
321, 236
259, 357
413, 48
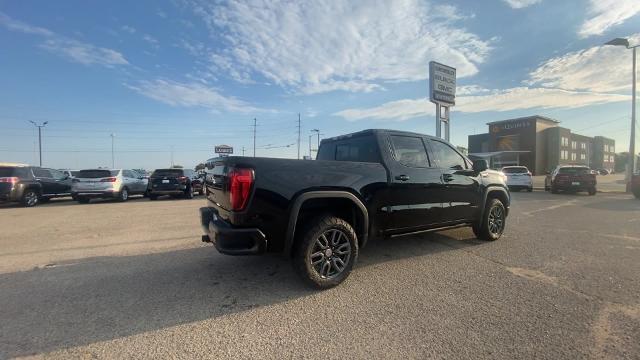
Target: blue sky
187, 75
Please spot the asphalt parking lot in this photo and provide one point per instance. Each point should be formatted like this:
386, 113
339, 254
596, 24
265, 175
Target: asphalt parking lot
133, 280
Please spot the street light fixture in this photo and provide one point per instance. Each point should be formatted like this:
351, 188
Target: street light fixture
632, 142
39, 137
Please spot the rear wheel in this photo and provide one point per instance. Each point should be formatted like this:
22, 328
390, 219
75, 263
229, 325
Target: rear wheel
123, 195
493, 221
325, 253
188, 194
592, 191
30, 198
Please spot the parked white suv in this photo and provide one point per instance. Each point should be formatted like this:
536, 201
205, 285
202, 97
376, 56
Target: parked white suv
104, 183
518, 178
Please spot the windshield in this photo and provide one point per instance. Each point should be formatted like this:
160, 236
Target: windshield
168, 172
96, 174
515, 170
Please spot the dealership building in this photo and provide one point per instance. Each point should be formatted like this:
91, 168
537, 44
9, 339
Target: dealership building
540, 144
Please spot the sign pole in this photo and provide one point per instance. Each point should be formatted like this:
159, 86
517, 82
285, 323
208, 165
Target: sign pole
438, 121
442, 92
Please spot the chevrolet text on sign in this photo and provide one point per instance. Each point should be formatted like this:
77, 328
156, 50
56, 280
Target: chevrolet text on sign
442, 84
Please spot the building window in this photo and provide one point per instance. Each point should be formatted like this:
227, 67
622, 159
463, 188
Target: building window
583, 146
565, 141
583, 157
573, 156
574, 145
563, 155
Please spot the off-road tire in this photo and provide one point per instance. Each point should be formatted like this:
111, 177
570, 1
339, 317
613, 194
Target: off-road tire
306, 242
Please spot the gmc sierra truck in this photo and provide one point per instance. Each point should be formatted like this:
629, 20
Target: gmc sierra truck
369, 184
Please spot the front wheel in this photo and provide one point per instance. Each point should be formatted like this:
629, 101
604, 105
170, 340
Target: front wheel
326, 252
493, 221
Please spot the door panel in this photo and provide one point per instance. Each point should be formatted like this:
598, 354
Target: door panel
413, 199
44, 177
461, 183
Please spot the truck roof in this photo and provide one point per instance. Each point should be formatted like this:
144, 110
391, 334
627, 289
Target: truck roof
373, 131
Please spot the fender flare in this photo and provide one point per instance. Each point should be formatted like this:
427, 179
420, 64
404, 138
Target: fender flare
299, 201
486, 194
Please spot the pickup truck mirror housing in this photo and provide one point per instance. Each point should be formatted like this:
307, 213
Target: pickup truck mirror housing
480, 165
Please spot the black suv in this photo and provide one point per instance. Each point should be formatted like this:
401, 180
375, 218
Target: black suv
174, 182
30, 185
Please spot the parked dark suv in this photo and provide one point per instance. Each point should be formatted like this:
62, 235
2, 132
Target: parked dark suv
174, 182
30, 185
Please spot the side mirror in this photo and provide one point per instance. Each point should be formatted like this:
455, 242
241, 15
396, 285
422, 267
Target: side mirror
480, 165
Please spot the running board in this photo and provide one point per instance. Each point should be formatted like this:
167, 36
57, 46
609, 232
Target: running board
432, 230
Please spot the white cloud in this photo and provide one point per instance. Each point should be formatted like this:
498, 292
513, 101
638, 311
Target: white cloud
321, 46
190, 95
150, 39
19, 26
599, 69
519, 4
84, 53
607, 13
129, 29
497, 100
73, 50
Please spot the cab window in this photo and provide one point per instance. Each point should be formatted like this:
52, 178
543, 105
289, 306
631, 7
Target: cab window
410, 151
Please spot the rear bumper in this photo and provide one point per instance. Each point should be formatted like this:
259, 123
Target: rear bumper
95, 194
165, 192
166, 189
228, 239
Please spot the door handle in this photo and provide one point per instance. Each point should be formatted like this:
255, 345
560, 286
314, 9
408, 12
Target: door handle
402, 177
447, 177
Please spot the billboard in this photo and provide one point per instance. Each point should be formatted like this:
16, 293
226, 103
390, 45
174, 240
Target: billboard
442, 84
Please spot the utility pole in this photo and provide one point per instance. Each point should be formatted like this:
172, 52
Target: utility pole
254, 136
113, 162
310, 153
299, 129
39, 137
172, 156
243, 151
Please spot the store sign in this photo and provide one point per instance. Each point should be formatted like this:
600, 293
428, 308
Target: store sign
223, 149
442, 84
509, 126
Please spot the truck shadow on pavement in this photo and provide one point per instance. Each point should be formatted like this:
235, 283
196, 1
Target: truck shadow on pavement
97, 299
621, 204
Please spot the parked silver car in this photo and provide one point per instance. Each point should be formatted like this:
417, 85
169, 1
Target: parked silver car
107, 184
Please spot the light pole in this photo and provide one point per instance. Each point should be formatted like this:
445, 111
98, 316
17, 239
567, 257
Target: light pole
39, 137
317, 131
113, 162
632, 142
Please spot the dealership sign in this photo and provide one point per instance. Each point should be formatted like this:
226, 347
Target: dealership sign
223, 149
442, 84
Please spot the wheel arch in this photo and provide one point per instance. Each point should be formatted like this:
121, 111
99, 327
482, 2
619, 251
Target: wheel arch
495, 192
314, 200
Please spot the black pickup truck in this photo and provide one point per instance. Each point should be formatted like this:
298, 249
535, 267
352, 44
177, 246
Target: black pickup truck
369, 184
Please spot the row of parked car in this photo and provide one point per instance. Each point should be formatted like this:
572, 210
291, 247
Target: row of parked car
31, 185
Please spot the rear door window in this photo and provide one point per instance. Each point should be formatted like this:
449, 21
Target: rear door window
42, 173
446, 156
410, 151
361, 148
59, 175
21, 172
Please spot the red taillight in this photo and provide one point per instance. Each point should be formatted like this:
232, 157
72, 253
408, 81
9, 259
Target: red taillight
12, 179
240, 182
109, 179
182, 179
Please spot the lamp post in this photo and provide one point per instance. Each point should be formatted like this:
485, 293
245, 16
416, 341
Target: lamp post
113, 162
39, 137
317, 131
632, 142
